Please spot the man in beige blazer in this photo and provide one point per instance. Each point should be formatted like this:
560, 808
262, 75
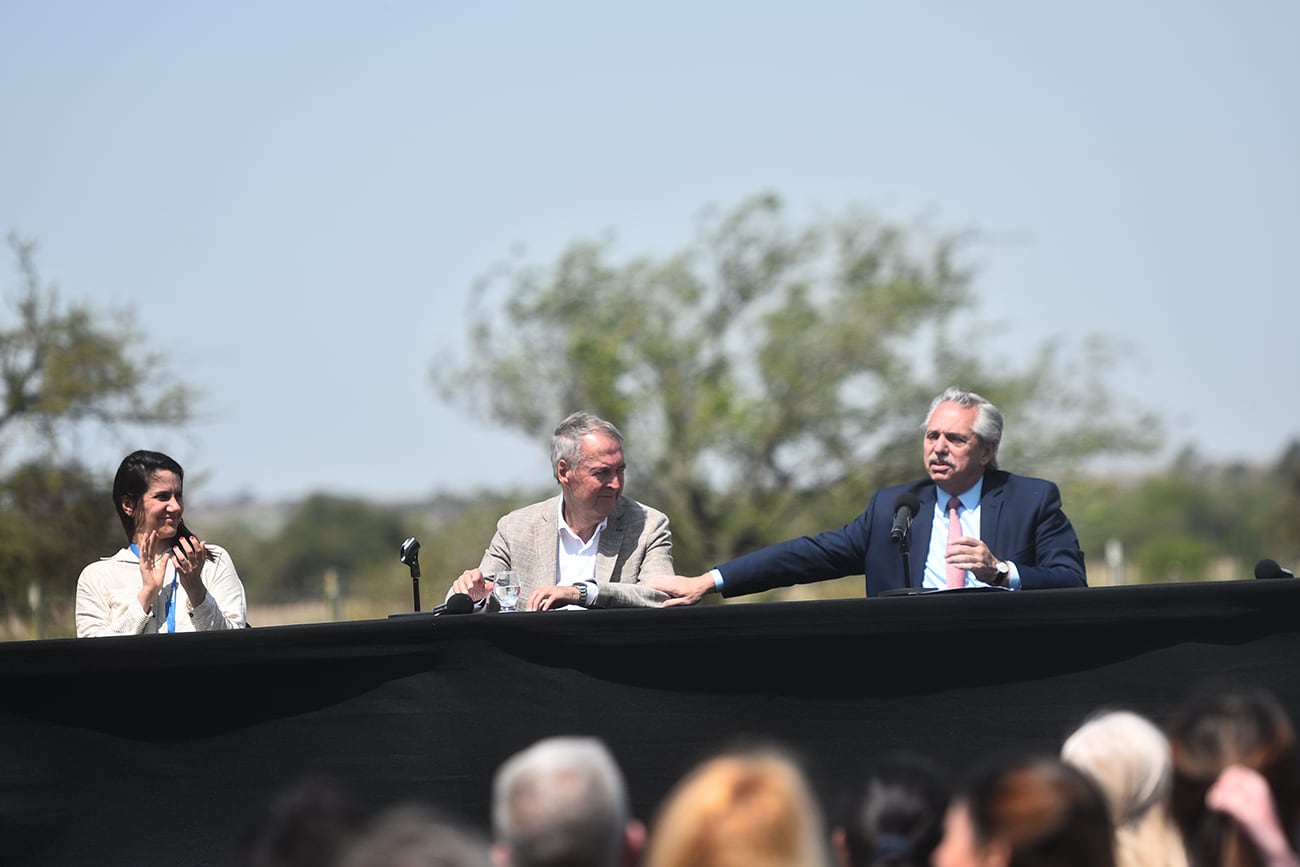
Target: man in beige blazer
590, 546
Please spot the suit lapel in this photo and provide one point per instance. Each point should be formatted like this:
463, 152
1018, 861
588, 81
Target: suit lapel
922, 526
991, 501
546, 545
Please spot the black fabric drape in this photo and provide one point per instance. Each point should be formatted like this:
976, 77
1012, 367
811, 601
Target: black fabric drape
199, 730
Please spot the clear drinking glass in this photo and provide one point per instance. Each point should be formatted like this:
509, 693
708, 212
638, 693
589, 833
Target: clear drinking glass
506, 590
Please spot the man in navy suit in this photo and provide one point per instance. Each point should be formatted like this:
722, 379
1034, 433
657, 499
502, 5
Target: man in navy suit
1013, 534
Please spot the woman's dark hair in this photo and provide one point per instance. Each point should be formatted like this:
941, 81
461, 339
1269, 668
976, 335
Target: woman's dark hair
132, 482
1217, 728
1046, 812
897, 818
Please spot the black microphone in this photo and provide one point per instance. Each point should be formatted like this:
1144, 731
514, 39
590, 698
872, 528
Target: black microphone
409, 554
457, 603
1269, 569
905, 509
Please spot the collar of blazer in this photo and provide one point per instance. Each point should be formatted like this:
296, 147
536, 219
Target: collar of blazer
992, 497
611, 538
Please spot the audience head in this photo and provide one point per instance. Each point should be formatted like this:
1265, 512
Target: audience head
414, 835
746, 809
897, 818
1217, 729
1127, 756
563, 801
1027, 812
308, 824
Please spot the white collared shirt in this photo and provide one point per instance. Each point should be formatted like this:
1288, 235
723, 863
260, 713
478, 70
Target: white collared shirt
935, 577
577, 559
969, 515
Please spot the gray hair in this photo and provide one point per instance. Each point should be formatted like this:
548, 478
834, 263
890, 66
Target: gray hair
562, 801
988, 419
567, 442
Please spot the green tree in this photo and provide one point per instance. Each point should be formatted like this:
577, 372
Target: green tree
53, 521
284, 553
64, 365
1192, 520
325, 533
66, 369
769, 377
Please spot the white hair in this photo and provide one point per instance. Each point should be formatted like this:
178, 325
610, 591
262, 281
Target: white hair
561, 801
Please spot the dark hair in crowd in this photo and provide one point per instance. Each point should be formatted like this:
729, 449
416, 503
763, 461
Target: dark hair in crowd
897, 818
1047, 813
307, 824
1209, 732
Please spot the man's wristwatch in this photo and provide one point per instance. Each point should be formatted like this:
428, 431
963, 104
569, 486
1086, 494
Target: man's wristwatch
1003, 577
582, 593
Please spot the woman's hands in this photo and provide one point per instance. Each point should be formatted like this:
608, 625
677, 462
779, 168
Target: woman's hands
189, 554
153, 569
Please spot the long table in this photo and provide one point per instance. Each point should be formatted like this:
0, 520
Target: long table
193, 733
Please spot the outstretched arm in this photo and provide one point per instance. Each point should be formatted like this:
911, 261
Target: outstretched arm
680, 589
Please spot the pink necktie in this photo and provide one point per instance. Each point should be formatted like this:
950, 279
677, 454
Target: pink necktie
956, 576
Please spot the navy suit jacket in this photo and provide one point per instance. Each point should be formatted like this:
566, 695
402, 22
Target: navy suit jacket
1020, 520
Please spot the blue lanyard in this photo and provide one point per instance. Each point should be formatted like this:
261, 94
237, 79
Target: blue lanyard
171, 597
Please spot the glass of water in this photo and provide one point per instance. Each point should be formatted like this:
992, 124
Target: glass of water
506, 590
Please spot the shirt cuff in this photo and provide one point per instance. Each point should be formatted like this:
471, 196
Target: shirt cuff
593, 590
717, 579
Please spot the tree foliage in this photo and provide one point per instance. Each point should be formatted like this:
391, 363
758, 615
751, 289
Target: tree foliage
327, 534
1192, 520
284, 560
64, 365
65, 368
769, 377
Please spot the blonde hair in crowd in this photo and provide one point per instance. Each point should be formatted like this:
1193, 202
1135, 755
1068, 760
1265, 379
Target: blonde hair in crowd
744, 810
1129, 759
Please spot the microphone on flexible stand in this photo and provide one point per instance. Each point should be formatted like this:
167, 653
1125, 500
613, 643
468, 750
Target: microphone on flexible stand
409, 554
1269, 569
905, 509
457, 603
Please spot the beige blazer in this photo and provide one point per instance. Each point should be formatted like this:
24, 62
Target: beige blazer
635, 542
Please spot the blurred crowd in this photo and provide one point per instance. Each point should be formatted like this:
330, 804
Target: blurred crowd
1217, 784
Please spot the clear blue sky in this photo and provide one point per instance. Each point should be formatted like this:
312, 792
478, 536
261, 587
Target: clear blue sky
296, 197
